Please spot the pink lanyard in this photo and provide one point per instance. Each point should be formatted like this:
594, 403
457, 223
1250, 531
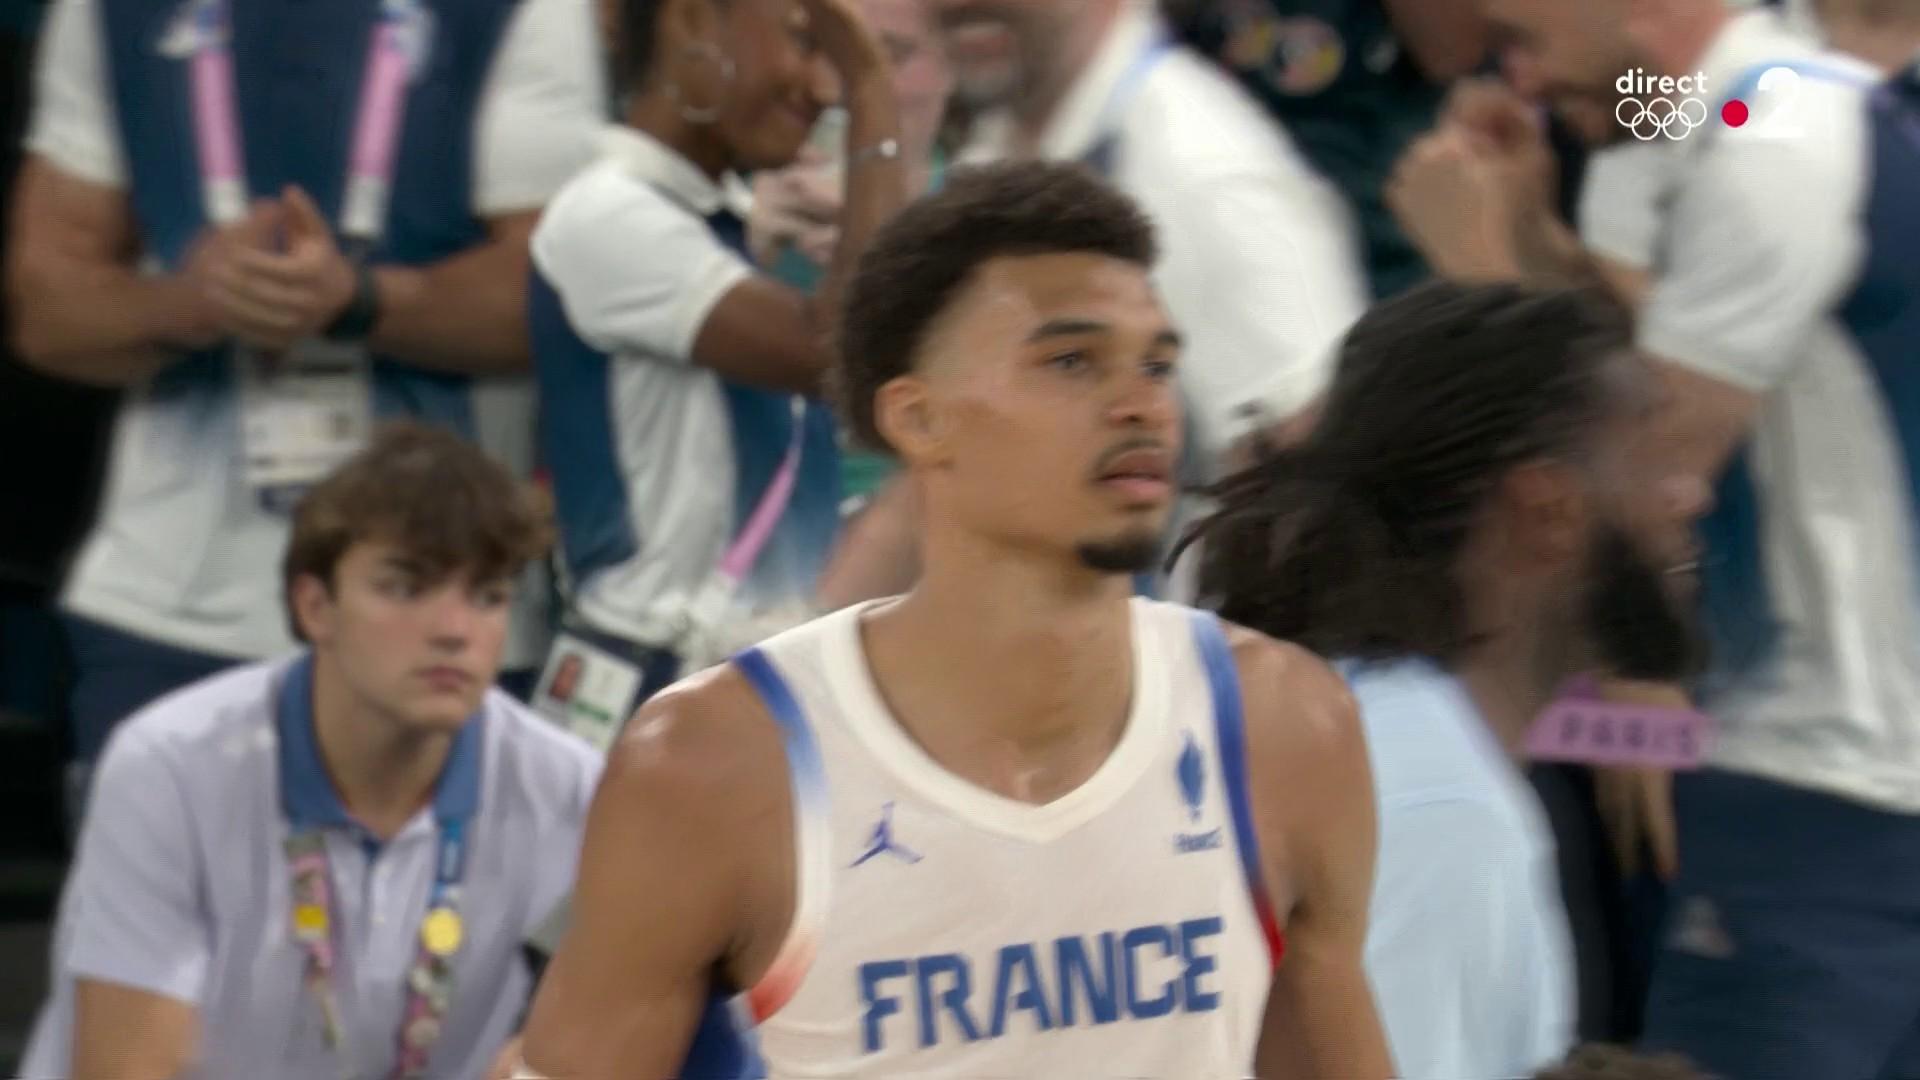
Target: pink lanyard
429, 980
398, 44
745, 550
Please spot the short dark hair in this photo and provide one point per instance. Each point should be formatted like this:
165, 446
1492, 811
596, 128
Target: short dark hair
436, 496
632, 48
1595, 1061
637, 30
1348, 543
922, 258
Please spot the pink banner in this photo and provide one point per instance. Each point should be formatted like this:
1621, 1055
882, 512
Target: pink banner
1595, 732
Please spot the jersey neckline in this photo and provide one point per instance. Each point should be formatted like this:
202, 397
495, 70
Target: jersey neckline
873, 724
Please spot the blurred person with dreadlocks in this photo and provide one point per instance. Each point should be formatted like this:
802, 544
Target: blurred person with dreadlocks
1475, 518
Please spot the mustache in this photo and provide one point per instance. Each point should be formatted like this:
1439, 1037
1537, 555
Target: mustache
1129, 446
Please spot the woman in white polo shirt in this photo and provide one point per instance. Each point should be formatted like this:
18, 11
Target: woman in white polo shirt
693, 464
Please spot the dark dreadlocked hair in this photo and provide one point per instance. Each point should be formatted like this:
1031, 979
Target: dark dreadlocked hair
1348, 543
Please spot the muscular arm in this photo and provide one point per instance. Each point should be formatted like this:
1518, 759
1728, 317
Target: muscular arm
670, 887
82, 311
120, 1033
1313, 810
465, 313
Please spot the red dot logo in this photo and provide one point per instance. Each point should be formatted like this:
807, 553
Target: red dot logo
1734, 112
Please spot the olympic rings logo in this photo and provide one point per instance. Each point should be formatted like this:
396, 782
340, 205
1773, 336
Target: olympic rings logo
1660, 116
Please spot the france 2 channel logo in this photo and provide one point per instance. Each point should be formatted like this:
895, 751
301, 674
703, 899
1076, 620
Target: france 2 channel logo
1653, 107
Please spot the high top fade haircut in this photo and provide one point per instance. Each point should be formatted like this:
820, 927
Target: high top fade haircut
439, 499
927, 254
1349, 543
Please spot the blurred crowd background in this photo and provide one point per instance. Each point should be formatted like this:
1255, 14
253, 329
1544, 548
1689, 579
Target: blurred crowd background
84, 514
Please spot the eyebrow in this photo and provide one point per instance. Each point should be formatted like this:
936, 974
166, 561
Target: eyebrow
1057, 328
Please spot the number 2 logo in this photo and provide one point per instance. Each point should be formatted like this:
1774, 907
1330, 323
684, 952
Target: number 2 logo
1776, 105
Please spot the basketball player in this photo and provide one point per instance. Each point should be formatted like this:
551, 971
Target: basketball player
1014, 823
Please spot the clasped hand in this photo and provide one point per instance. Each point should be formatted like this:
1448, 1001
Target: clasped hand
1470, 193
272, 279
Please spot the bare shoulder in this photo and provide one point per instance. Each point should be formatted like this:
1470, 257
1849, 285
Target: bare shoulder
704, 749
1310, 777
1293, 702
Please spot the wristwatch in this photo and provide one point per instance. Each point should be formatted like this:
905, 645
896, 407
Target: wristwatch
356, 321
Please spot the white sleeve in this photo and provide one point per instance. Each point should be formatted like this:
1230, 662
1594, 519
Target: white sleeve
73, 124
1261, 275
137, 913
635, 272
1763, 240
1452, 948
1619, 214
544, 103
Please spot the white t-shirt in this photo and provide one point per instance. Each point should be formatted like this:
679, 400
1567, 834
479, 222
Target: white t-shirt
1762, 246
627, 249
182, 552
1467, 947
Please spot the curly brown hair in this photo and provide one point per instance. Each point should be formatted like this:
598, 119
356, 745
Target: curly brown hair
449, 506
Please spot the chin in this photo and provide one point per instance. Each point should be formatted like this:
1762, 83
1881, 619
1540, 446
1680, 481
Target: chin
440, 715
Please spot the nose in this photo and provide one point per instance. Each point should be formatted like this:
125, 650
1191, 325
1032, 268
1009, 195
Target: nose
451, 617
1147, 402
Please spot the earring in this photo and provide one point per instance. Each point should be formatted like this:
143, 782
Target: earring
711, 53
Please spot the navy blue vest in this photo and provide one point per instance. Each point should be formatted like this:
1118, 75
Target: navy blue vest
297, 70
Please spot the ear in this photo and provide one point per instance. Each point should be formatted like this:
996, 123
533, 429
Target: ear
910, 420
1548, 510
313, 608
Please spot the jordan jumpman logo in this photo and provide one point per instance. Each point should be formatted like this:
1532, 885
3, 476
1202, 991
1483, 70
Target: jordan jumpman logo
883, 842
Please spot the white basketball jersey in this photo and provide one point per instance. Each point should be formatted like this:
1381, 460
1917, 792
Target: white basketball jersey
943, 930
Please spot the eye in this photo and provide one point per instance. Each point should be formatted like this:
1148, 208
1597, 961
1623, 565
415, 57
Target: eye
1071, 360
494, 596
1160, 370
397, 586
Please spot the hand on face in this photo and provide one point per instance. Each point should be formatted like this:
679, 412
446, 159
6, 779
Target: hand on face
1472, 192
845, 37
276, 277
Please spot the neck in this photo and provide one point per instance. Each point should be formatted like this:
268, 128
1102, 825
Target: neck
1515, 670
383, 773
1041, 651
1036, 107
658, 115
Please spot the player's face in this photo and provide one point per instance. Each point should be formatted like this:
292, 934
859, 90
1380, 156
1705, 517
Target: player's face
1642, 574
422, 652
1566, 54
1048, 415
